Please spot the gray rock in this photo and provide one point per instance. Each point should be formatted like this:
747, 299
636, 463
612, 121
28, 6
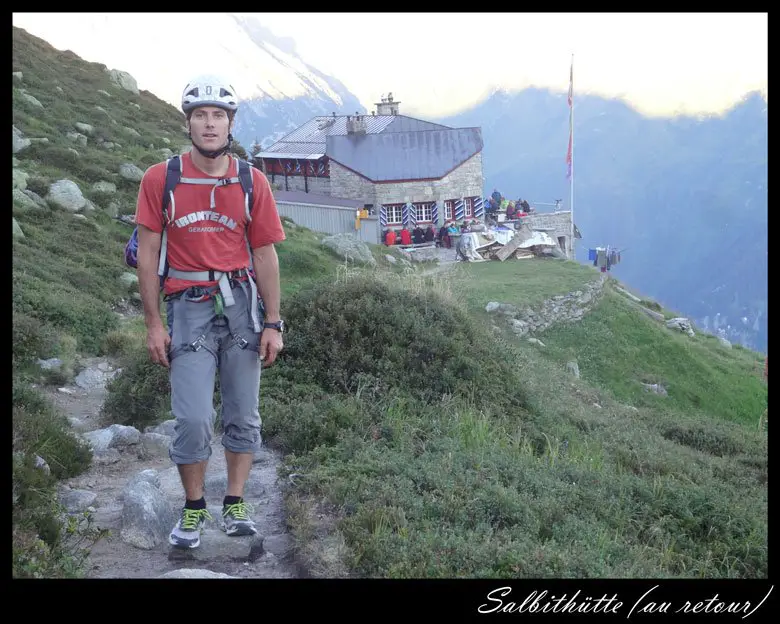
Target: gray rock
99, 440
30, 99
19, 141
24, 201
113, 437
492, 306
17, 76
123, 79
388, 257
16, 231
40, 462
519, 327
19, 179
77, 137
124, 436
106, 457
129, 280
76, 501
147, 516
349, 247
149, 476
681, 324
573, 368
84, 127
166, 428
67, 195
104, 187
49, 364
155, 444
216, 545
195, 573
130, 172
91, 379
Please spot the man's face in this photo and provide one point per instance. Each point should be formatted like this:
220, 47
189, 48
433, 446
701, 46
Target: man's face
209, 126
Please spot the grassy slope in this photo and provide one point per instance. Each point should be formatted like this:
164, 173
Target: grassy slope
662, 487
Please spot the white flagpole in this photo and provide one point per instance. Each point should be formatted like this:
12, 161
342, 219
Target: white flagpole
571, 185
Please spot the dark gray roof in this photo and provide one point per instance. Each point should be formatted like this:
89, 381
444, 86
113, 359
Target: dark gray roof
405, 155
281, 149
299, 197
309, 139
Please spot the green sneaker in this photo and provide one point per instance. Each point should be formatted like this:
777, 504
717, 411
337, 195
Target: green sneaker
236, 520
186, 533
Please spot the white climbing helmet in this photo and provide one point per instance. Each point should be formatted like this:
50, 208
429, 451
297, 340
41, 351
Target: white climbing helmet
209, 91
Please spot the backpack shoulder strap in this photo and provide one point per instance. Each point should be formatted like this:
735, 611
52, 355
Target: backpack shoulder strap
247, 183
172, 177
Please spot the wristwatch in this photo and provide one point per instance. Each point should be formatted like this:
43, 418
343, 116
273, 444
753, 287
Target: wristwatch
278, 326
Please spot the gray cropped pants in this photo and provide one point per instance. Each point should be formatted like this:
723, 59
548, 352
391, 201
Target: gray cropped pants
202, 343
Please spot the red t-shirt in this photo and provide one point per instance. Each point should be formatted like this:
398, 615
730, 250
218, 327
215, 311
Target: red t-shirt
406, 237
200, 237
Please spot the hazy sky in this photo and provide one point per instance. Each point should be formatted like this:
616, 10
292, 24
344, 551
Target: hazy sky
439, 63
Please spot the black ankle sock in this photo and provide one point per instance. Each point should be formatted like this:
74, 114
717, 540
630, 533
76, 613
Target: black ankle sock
195, 504
232, 500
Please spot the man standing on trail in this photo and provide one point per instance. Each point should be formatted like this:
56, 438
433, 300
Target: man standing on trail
220, 254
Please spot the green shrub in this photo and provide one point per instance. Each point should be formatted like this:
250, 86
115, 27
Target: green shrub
40, 429
363, 332
32, 339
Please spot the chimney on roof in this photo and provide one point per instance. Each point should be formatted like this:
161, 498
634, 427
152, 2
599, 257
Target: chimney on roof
356, 125
387, 106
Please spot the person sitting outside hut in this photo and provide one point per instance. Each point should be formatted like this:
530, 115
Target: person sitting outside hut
418, 235
444, 237
430, 234
406, 237
510, 211
390, 238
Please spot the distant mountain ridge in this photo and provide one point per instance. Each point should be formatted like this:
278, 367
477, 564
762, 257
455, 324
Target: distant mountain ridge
267, 117
686, 197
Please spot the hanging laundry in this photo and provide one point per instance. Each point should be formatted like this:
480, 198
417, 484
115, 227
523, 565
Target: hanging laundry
591, 254
601, 258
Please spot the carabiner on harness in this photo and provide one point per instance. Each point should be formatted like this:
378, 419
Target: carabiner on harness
219, 304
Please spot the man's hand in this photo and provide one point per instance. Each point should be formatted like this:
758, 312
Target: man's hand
270, 345
157, 341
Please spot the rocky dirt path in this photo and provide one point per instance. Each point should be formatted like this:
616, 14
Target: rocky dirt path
134, 491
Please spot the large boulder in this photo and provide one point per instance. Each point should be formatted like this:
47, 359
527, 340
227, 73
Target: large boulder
123, 79
350, 248
66, 194
147, 515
